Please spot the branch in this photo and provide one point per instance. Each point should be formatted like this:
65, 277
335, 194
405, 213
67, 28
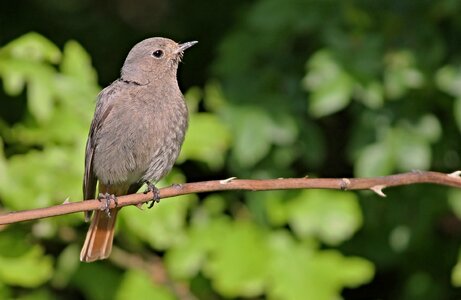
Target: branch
376, 184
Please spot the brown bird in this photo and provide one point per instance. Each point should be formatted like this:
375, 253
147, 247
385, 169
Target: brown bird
135, 136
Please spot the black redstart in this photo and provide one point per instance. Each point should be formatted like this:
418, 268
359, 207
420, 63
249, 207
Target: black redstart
135, 136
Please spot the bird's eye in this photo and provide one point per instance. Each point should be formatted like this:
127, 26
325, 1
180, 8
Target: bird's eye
157, 53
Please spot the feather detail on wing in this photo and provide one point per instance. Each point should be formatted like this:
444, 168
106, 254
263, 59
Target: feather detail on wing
103, 109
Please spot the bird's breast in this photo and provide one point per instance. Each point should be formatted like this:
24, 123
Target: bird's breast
140, 142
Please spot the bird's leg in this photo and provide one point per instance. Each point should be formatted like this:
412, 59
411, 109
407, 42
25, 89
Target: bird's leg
107, 198
152, 188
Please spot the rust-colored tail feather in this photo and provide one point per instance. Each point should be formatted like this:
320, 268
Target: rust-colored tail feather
98, 241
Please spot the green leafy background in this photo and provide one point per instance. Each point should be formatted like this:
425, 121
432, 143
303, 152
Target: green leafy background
275, 89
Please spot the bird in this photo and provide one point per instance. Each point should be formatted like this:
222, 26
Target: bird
135, 136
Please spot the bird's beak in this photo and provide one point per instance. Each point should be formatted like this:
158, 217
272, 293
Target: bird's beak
184, 46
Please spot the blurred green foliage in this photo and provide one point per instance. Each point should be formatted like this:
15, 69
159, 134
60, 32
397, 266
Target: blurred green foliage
324, 88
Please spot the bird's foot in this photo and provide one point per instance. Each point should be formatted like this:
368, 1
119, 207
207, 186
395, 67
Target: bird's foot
152, 188
107, 198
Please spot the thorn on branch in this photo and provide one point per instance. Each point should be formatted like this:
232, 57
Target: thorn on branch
378, 189
455, 174
228, 180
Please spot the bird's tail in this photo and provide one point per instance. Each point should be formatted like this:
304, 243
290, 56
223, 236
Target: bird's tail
98, 242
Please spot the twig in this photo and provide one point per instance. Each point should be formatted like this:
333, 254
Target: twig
376, 184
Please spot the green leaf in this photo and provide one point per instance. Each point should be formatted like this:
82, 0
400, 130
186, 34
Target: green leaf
40, 95
13, 80
239, 263
252, 138
209, 148
186, 258
371, 94
193, 97
412, 153
41, 172
32, 46
66, 265
454, 199
214, 97
448, 79
283, 130
374, 160
331, 87
214, 205
429, 128
137, 285
299, 271
405, 147
401, 74
276, 208
162, 226
76, 63
16, 72
30, 269
330, 216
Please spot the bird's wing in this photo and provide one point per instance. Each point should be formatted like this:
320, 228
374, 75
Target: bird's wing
103, 108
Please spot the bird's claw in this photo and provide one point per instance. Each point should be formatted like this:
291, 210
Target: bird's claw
155, 191
107, 198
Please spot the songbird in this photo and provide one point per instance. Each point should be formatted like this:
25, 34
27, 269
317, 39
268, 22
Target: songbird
136, 134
